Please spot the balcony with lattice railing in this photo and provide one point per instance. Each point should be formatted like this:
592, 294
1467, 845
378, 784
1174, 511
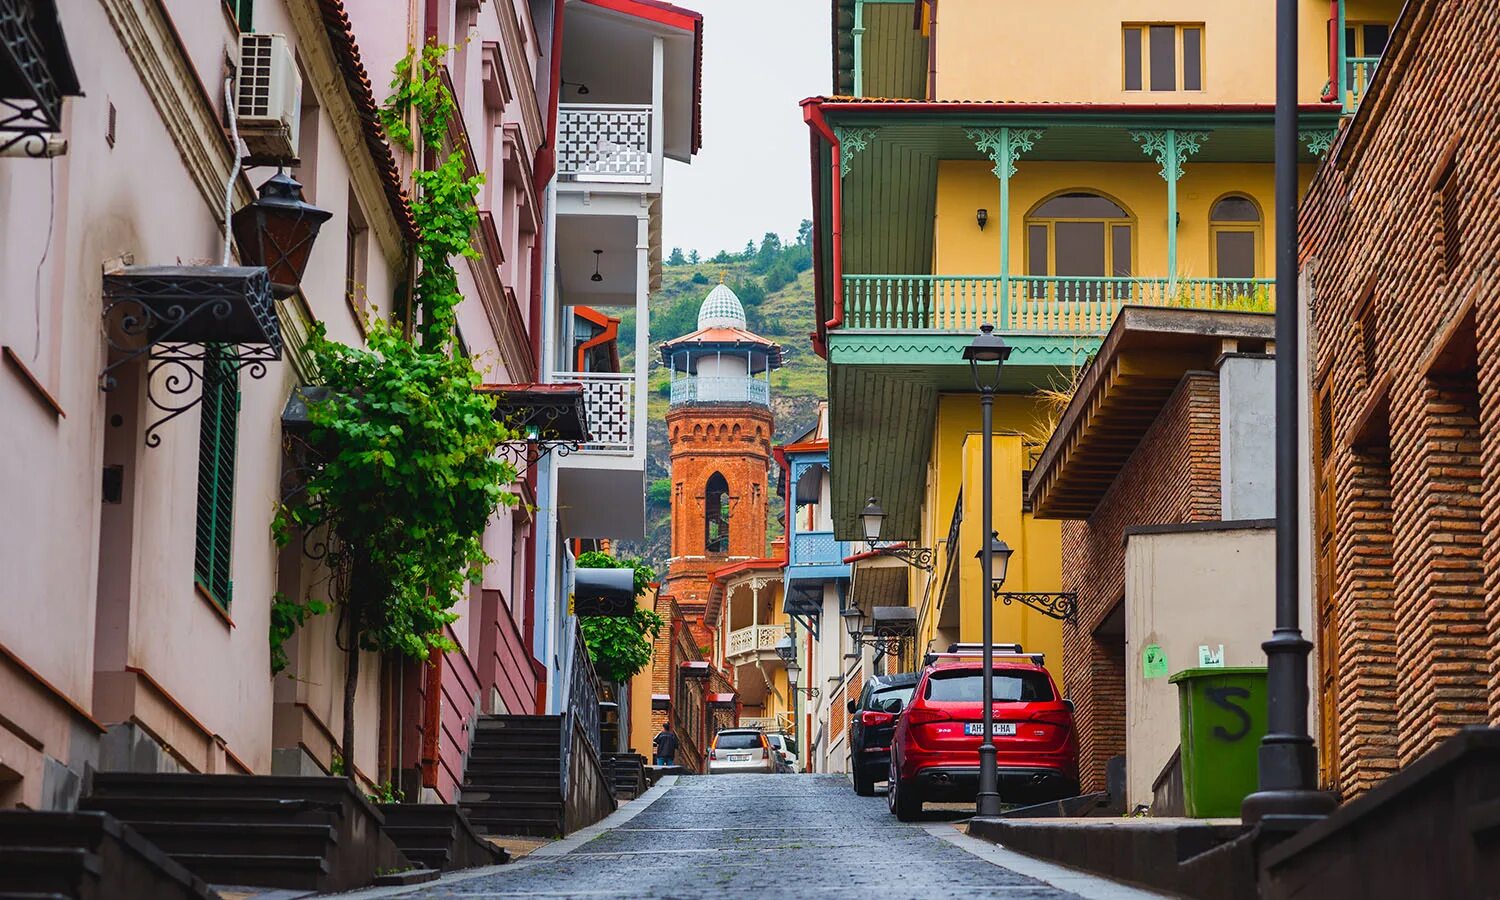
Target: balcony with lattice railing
610, 404
605, 142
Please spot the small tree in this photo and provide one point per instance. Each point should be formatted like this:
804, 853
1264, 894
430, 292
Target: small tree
676, 258
620, 646
693, 257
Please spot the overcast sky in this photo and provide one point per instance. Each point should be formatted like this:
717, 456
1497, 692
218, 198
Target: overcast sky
759, 58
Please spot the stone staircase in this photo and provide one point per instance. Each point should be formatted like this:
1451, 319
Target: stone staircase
255, 830
512, 781
438, 836
627, 774
86, 856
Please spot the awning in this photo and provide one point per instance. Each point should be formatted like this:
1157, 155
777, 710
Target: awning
696, 669
36, 71
878, 580
721, 701
542, 412
661, 701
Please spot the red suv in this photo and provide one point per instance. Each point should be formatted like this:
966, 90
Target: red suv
935, 752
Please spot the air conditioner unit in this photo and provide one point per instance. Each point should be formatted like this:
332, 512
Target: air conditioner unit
268, 101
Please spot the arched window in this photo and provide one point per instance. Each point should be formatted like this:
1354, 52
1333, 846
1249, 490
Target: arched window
716, 515
1079, 234
1234, 234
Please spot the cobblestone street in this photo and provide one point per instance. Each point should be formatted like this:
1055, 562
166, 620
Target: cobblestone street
748, 836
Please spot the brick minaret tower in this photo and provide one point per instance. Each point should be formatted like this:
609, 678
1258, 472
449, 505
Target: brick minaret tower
720, 429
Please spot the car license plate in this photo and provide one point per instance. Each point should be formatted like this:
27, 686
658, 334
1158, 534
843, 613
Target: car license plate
999, 729
739, 757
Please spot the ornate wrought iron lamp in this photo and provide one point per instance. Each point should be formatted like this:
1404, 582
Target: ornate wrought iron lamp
988, 347
872, 517
793, 676
277, 230
1058, 605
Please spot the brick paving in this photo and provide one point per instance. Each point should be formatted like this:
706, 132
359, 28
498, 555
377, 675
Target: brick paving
732, 836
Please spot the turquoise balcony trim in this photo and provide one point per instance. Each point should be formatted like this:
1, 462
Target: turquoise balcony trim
1032, 304
1358, 73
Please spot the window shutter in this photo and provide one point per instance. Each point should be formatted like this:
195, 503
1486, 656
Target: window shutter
1449, 207
217, 440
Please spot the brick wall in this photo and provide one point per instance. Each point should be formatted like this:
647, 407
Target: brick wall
735, 441
1171, 478
1400, 237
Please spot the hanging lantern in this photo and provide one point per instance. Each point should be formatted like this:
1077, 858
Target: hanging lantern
277, 231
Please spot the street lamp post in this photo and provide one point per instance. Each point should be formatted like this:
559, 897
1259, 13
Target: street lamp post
987, 347
1288, 788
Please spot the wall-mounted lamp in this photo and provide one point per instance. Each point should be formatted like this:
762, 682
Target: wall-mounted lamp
982, 216
583, 89
596, 276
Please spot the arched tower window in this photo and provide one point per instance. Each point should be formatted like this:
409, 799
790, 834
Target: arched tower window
716, 515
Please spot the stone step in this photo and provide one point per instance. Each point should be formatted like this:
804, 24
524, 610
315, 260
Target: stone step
484, 807
531, 827
304, 871
248, 838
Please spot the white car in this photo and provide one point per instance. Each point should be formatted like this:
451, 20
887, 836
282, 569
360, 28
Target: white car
737, 750
786, 748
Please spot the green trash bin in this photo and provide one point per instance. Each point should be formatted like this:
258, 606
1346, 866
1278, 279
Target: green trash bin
1223, 716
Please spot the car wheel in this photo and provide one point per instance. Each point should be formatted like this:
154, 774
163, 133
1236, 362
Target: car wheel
864, 782
904, 800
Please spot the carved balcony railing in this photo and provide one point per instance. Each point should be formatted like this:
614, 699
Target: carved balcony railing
755, 639
817, 548
1033, 304
609, 400
1358, 71
605, 142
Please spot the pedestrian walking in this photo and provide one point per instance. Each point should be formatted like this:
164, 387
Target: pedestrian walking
666, 746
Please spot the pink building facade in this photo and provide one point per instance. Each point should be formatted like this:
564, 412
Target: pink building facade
138, 590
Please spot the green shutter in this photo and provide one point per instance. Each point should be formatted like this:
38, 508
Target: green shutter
216, 445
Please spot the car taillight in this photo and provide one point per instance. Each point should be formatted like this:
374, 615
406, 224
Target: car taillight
712, 753
870, 717
1059, 717
921, 715
765, 753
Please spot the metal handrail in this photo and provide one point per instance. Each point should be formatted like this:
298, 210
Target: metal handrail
580, 701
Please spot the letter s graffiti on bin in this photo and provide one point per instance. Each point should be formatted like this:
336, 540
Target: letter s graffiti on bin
1223, 697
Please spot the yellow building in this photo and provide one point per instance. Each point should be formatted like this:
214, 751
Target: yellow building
1036, 167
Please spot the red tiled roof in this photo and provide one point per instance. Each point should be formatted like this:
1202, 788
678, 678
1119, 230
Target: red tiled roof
895, 104
357, 80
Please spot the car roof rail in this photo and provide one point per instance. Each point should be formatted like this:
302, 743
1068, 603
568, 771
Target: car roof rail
1038, 659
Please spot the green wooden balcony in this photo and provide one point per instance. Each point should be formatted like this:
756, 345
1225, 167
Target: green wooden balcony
1358, 71
1032, 304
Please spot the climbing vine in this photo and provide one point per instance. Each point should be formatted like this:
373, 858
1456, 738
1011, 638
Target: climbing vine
405, 476
620, 646
443, 206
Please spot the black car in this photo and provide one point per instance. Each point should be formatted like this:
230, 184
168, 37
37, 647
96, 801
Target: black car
872, 722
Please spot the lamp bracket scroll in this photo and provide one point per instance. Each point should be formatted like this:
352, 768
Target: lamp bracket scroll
1059, 605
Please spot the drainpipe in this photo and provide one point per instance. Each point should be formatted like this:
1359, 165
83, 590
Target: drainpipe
1335, 41
858, 34
813, 115
932, 50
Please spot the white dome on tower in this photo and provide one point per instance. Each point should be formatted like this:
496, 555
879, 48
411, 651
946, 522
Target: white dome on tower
721, 309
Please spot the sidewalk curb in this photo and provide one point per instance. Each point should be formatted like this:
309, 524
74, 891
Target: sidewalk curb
1082, 884
551, 851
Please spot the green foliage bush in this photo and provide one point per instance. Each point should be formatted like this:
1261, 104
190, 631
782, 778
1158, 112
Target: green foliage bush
620, 646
